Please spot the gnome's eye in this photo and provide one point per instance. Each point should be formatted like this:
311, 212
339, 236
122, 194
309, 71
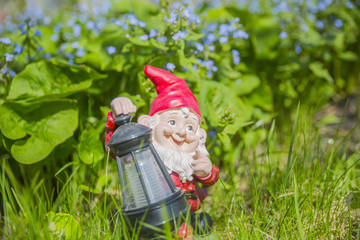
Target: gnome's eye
172, 122
189, 128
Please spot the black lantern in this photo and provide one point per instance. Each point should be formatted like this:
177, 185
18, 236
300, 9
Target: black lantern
149, 194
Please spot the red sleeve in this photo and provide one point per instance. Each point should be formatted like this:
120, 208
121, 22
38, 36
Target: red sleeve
212, 178
110, 129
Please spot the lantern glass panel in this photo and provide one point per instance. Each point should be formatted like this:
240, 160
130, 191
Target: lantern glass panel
156, 185
134, 192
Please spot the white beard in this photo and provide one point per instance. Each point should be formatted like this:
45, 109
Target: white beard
176, 161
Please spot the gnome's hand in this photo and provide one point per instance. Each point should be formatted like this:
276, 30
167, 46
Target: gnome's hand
202, 165
122, 105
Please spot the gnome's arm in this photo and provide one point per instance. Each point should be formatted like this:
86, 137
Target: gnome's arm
110, 127
211, 179
119, 105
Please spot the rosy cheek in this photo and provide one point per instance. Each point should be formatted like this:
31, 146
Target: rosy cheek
190, 137
168, 130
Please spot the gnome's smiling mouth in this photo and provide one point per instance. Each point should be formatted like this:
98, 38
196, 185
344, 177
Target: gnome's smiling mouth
177, 142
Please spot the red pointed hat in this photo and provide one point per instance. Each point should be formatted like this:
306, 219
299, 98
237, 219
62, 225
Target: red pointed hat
172, 91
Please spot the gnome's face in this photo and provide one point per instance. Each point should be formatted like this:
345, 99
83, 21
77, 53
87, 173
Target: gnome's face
177, 130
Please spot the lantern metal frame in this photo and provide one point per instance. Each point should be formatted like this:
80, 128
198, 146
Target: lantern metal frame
161, 212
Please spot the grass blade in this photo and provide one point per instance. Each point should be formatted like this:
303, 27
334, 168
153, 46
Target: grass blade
287, 172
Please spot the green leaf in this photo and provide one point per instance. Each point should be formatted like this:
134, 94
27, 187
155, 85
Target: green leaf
158, 44
318, 69
311, 38
245, 84
349, 56
225, 139
138, 42
63, 226
236, 126
37, 127
11, 125
51, 79
263, 98
117, 63
215, 99
91, 149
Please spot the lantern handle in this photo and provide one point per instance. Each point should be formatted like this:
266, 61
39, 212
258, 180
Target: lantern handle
123, 119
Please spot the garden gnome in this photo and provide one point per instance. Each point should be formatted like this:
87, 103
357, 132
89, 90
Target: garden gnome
175, 119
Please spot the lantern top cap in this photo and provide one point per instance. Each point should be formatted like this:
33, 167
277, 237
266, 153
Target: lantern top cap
123, 119
128, 136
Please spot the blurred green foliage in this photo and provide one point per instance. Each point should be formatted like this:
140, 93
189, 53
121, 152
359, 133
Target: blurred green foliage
246, 63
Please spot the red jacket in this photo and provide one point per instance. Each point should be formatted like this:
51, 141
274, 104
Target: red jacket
194, 193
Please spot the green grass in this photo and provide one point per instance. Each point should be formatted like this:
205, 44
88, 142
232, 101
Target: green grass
296, 186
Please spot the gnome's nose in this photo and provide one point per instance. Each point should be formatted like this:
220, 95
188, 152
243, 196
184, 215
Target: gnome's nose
181, 132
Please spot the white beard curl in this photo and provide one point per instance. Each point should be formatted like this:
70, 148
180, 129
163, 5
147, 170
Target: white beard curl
176, 161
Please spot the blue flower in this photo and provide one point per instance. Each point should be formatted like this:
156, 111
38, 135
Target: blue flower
75, 44
4, 70
212, 27
12, 73
54, 37
21, 26
193, 18
320, 24
37, 33
111, 49
172, 19
141, 24
179, 35
90, 25
211, 47
209, 64
298, 49
6, 41
153, 33
186, 13
9, 57
283, 35
67, 36
338, 23
70, 22
134, 21
240, 34
211, 38
235, 20
223, 39
80, 52
236, 60
170, 67
47, 56
70, 56
57, 28
349, 4
212, 134
305, 27
199, 47
119, 22
224, 29
40, 49
209, 73
144, 37
18, 49
76, 30
162, 39
236, 56
24, 32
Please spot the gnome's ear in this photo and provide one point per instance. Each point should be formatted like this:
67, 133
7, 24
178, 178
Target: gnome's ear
144, 120
202, 135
